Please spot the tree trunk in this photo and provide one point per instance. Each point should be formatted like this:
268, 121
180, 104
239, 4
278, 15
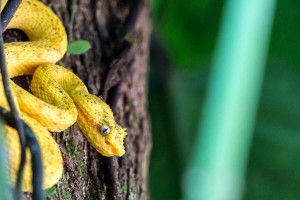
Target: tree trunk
116, 69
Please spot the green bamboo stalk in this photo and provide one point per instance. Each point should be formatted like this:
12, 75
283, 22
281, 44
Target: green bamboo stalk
218, 164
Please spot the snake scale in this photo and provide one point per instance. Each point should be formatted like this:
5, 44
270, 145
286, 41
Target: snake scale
59, 97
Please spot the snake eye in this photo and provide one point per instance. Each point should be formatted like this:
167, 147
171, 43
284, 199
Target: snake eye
105, 130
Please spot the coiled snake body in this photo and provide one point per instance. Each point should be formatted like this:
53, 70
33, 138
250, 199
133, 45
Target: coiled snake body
62, 100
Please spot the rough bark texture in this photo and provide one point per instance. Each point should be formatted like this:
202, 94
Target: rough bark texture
116, 69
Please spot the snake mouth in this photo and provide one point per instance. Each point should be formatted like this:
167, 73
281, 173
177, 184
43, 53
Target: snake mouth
113, 150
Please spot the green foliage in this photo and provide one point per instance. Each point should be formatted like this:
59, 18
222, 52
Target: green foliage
50, 191
3, 173
285, 43
274, 160
188, 28
189, 31
173, 128
78, 47
164, 171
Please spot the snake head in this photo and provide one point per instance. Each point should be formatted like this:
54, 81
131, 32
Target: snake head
97, 122
113, 138
112, 135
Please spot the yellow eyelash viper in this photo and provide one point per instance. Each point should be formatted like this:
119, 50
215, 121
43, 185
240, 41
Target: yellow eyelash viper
60, 100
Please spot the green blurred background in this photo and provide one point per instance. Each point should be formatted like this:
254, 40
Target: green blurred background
182, 47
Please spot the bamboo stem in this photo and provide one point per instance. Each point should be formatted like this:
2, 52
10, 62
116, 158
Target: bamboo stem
220, 157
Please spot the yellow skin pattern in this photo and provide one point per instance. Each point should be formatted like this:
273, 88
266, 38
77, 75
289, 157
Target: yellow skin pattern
63, 99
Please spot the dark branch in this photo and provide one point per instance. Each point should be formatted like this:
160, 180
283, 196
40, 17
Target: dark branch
36, 163
16, 118
8, 12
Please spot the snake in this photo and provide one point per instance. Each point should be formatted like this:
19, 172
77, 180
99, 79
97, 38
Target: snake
58, 99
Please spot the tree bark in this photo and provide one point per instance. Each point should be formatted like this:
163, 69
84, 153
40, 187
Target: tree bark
115, 68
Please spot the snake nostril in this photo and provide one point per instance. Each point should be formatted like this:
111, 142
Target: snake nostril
107, 142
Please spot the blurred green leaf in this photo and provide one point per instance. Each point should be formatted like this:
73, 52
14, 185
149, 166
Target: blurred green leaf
164, 166
188, 28
3, 173
50, 191
273, 171
285, 42
78, 47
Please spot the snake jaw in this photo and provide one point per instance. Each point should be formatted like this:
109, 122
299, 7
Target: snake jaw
112, 149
